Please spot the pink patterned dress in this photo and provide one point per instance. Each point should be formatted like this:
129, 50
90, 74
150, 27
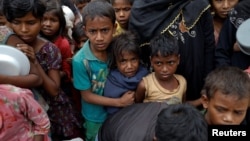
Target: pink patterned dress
21, 117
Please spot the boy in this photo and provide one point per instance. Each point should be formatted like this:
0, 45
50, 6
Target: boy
122, 12
163, 84
225, 96
180, 122
90, 66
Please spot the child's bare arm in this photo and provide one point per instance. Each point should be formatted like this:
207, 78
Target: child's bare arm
125, 100
140, 92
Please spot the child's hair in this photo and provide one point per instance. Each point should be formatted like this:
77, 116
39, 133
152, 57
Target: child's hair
164, 45
228, 80
124, 42
19, 8
130, 1
98, 8
1, 8
78, 32
81, 1
54, 6
181, 122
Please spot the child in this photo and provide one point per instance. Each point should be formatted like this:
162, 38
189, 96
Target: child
21, 117
8, 37
79, 36
225, 96
126, 70
122, 13
163, 84
3, 20
90, 66
54, 29
181, 122
220, 11
25, 18
80, 4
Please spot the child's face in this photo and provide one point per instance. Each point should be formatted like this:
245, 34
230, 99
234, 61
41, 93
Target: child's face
82, 41
222, 7
122, 12
128, 63
80, 6
27, 27
3, 21
225, 109
100, 32
50, 24
164, 67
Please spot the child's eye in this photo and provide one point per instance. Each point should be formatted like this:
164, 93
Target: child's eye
15, 22
122, 61
158, 63
117, 10
105, 30
171, 62
219, 109
31, 22
92, 31
134, 59
127, 9
239, 112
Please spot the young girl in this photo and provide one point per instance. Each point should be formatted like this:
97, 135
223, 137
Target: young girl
54, 29
8, 37
126, 70
163, 84
122, 13
220, 11
25, 18
79, 36
21, 117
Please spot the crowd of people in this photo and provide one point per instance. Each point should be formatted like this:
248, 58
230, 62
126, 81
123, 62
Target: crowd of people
132, 70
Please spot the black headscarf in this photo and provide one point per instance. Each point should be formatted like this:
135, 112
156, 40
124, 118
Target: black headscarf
152, 17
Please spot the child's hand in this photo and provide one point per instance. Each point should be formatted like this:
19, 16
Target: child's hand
127, 98
28, 51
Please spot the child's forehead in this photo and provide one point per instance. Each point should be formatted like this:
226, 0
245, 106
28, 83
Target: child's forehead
159, 54
228, 97
97, 17
98, 21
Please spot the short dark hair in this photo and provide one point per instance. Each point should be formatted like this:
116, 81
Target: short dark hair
229, 80
130, 1
164, 44
98, 8
181, 122
13, 9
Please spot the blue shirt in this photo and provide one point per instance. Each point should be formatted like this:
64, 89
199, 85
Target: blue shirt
90, 73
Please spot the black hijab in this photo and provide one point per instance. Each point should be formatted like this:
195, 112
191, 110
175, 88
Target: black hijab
152, 17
